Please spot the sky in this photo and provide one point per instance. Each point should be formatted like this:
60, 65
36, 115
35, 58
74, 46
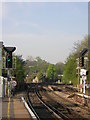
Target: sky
44, 29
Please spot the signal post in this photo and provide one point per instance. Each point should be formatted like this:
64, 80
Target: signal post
9, 64
83, 72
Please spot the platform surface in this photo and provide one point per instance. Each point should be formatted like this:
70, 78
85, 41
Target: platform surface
13, 108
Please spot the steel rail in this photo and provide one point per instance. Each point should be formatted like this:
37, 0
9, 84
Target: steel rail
30, 105
45, 105
56, 112
76, 103
70, 110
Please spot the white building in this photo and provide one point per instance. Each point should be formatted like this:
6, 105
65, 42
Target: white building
3, 86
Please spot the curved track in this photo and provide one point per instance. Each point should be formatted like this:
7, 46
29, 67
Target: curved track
40, 109
47, 108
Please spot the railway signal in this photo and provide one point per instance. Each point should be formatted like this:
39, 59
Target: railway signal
3, 62
81, 57
9, 59
83, 52
81, 61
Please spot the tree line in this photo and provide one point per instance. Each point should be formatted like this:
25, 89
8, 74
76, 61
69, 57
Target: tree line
66, 72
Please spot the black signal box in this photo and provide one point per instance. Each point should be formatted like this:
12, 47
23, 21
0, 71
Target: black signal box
9, 61
81, 61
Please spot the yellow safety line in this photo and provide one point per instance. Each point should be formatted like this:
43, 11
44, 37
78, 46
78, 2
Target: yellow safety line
9, 109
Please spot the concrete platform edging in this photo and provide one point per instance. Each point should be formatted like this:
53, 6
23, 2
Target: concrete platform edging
29, 110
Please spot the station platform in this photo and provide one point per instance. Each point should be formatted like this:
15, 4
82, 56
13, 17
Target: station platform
14, 109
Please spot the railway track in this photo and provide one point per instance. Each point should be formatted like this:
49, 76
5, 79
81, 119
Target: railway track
41, 110
64, 106
45, 107
72, 96
52, 108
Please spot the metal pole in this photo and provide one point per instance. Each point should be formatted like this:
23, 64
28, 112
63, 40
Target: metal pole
84, 81
78, 78
8, 85
84, 86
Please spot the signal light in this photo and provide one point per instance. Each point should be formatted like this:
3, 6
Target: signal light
81, 61
9, 60
3, 62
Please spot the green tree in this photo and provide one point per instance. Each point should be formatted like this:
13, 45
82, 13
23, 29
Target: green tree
59, 67
70, 70
34, 66
51, 73
79, 46
70, 65
20, 69
42, 65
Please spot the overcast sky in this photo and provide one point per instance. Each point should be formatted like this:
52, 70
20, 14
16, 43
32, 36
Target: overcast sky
48, 30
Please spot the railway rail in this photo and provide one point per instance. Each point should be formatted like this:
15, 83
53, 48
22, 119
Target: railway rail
63, 106
40, 109
52, 108
71, 97
45, 107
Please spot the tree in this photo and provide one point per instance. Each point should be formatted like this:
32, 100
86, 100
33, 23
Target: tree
70, 65
51, 73
59, 67
79, 46
20, 69
34, 66
70, 70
